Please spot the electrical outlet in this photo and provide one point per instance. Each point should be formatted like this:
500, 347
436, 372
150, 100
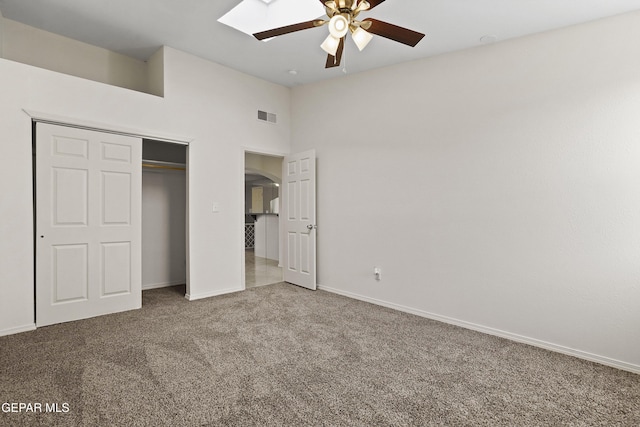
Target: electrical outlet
378, 273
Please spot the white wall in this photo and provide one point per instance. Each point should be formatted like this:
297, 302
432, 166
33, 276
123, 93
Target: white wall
29, 45
212, 105
497, 188
155, 73
163, 228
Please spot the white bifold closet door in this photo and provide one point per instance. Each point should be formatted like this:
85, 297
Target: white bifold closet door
88, 223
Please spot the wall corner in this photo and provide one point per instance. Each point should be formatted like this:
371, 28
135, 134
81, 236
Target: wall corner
155, 73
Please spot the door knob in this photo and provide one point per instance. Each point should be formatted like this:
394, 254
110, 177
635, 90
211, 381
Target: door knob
311, 227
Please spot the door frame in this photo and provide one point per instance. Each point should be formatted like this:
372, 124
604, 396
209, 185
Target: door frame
38, 117
248, 150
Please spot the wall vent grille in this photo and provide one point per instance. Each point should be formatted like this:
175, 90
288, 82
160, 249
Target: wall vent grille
266, 116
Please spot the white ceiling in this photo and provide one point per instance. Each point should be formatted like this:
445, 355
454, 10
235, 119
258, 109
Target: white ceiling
139, 27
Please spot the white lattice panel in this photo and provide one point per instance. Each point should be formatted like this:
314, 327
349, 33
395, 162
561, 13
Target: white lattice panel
249, 236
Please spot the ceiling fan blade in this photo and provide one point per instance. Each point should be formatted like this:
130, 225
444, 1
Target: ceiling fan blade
393, 32
331, 60
288, 29
334, 61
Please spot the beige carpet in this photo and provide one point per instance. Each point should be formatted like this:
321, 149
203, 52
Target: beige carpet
283, 355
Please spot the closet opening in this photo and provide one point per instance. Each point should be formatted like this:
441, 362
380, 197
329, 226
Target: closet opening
164, 223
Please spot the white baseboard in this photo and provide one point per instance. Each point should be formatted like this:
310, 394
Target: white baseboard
492, 331
11, 331
161, 285
193, 297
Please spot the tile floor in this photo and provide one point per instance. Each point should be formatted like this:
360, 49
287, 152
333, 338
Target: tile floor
260, 271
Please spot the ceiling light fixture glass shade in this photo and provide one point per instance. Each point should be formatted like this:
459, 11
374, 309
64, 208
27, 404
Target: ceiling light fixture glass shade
338, 26
361, 38
363, 5
330, 45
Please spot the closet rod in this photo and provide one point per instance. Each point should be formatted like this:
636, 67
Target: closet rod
157, 164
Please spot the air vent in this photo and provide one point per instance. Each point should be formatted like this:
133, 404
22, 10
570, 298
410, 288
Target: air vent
266, 117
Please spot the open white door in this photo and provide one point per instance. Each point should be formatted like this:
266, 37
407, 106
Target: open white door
299, 218
88, 223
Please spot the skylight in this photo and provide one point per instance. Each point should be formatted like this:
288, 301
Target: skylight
252, 16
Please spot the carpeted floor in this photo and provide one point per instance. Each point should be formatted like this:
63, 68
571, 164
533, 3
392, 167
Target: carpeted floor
283, 355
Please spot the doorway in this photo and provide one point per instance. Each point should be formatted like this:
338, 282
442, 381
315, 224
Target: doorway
262, 248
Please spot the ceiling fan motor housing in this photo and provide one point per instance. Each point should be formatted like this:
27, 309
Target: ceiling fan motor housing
343, 7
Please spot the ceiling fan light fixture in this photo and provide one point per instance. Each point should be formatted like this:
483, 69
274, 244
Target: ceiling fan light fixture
330, 45
338, 26
363, 5
361, 38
